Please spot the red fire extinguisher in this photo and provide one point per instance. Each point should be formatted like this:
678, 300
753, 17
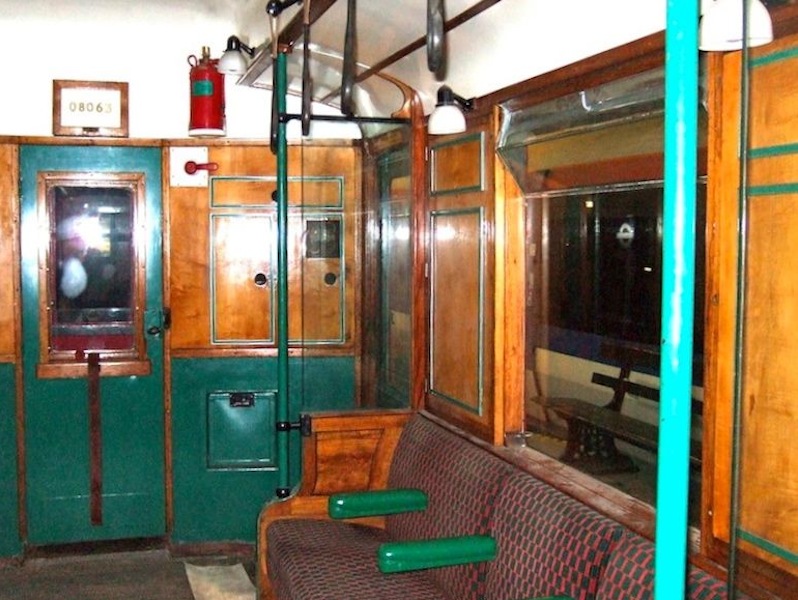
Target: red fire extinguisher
207, 96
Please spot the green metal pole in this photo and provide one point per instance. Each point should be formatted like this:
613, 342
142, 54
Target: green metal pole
678, 287
283, 425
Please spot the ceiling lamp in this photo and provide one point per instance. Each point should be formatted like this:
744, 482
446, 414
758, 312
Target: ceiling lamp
233, 61
448, 115
721, 26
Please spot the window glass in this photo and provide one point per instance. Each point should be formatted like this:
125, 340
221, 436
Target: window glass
93, 266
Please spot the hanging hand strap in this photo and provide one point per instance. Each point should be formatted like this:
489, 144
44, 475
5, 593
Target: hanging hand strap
348, 75
307, 84
435, 35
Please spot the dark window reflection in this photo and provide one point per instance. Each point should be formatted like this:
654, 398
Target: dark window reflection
93, 260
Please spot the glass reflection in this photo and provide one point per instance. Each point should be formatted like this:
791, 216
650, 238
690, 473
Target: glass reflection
93, 266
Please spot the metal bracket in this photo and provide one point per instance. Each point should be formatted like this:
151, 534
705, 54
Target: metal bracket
303, 425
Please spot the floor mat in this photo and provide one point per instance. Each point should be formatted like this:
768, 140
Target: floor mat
220, 582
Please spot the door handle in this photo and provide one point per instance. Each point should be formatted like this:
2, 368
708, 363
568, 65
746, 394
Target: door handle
154, 330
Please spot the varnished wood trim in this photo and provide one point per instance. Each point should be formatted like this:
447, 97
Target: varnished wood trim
420, 300
70, 141
166, 245
239, 352
13, 198
510, 302
109, 368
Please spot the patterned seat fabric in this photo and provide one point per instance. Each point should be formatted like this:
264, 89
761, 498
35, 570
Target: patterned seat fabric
548, 543
461, 481
329, 560
630, 574
314, 559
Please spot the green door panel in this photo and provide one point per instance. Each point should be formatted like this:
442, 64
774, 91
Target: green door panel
56, 410
10, 544
223, 467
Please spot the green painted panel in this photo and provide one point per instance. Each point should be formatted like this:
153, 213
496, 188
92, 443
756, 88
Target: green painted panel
234, 435
10, 544
56, 410
212, 504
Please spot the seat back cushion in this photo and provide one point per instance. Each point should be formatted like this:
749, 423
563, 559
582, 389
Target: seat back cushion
630, 574
548, 543
461, 481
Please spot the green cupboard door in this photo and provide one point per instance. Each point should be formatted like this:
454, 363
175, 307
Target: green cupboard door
92, 295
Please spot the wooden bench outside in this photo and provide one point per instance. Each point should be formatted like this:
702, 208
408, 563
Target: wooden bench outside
593, 429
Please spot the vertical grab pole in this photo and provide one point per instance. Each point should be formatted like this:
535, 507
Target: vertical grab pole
283, 425
678, 287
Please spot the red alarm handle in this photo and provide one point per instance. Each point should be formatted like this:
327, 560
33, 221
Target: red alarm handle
192, 167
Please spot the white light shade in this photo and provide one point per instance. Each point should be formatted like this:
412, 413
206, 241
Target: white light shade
232, 62
445, 119
722, 25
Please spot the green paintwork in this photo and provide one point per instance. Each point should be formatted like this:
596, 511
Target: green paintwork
234, 434
56, 413
397, 557
376, 502
222, 504
10, 544
284, 397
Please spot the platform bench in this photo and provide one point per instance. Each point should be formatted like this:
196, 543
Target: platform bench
593, 428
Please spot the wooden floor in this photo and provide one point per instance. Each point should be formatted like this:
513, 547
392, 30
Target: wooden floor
143, 575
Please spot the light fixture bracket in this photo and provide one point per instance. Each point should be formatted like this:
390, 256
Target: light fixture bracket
276, 7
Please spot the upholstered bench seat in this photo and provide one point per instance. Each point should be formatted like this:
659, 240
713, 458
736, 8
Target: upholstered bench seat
630, 574
321, 560
314, 559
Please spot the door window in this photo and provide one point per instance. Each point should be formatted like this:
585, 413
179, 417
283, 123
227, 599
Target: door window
91, 272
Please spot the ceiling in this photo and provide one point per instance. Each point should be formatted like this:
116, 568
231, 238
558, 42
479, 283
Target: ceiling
489, 44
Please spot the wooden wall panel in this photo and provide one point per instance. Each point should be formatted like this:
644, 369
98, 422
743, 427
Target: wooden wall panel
770, 423
189, 268
223, 235
241, 304
457, 274
768, 384
457, 165
461, 266
9, 218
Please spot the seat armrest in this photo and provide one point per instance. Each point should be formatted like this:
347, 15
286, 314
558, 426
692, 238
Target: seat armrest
376, 502
397, 557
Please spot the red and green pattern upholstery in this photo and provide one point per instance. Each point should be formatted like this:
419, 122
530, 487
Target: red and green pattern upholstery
548, 543
630, 574
315, 559
461, 482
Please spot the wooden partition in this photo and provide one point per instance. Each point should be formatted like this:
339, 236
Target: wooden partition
345, 452
223, 249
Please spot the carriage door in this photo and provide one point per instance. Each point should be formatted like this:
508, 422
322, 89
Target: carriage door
92, 343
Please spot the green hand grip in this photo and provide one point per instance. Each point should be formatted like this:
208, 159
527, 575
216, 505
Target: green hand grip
397, 557
375, 503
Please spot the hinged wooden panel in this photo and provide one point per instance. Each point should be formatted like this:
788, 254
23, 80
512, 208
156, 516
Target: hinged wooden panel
242, 277
461, 279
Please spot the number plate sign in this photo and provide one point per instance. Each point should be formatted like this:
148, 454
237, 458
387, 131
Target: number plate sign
90, 108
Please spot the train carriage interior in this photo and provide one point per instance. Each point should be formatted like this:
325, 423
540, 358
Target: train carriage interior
484, 299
